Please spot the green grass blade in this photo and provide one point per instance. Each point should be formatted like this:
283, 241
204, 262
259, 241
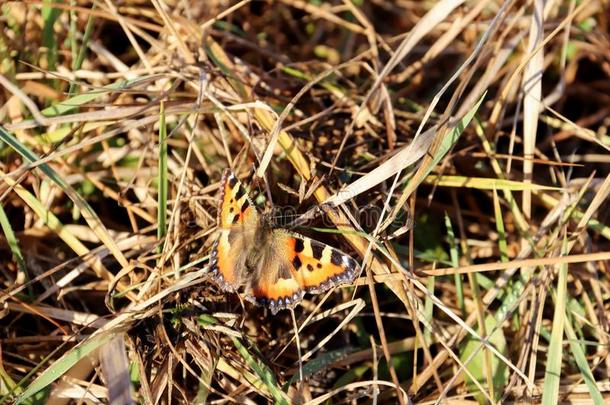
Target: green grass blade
455, 262
65, 363
583, 365
476, 366
78, 58
319, 363
13, 244
73, 103
552, 374
429, 309
50, 16
266, 376
451, 138
502, 243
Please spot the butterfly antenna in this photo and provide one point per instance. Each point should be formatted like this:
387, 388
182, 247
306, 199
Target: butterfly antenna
285, 221
298, 342
275, 216
307, 216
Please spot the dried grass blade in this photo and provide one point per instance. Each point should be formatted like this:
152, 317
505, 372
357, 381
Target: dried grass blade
56, 226
532, 89
162, 180
445, 143
115, 367
483, 183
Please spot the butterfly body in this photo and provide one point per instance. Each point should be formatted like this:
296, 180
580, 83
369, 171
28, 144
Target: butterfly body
274, 267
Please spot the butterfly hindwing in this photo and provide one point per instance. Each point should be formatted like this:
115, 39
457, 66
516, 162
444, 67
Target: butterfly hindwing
320, 267
224, 264
275, 285
300, 265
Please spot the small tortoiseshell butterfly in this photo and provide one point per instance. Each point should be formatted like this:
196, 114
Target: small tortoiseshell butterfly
274, 266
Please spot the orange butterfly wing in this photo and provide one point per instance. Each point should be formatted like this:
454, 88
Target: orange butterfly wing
237, 219
236, 208
300, 265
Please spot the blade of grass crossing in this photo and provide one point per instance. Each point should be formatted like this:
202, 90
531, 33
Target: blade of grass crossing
480, 364
87, 211
552, 374
63, 364
50, 16
429, 309
14, 246
266, 376
78, 58
162, 179
502, 244
455, 262
583, 365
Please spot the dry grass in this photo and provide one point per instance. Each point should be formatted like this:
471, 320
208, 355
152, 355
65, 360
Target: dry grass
458, 150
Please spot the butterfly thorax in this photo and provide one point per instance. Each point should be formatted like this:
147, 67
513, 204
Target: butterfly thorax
261, 244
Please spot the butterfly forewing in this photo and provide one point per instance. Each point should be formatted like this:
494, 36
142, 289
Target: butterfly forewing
237, 220
236, 208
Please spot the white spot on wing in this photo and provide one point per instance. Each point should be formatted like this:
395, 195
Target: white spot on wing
307, 251
326, 254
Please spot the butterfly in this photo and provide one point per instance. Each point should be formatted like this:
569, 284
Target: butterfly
275, 267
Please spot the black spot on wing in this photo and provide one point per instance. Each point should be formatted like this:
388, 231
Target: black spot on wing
245, 206
236, 219
232, 181
299, 245
296, 262
310, 267
336, 258
240, 193
316, 250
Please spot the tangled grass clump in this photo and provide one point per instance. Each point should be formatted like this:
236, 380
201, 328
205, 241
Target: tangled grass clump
458, 151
